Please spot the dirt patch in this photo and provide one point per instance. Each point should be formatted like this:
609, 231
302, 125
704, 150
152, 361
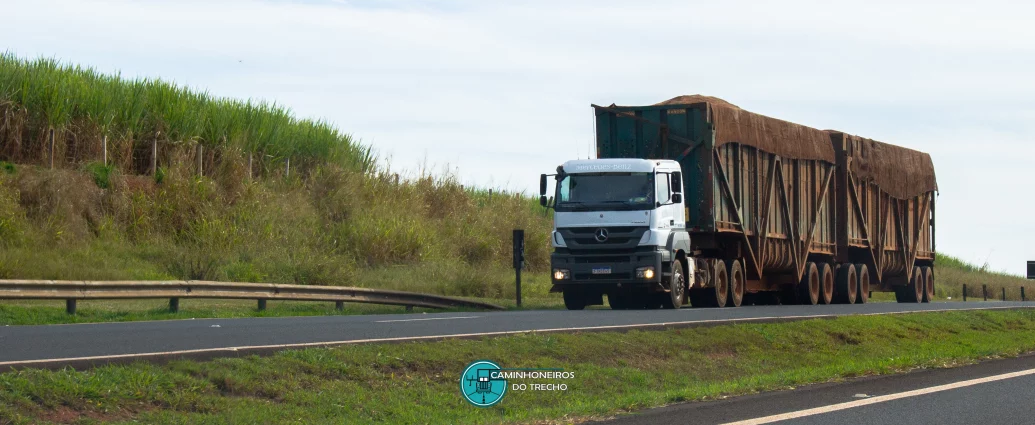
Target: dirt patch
68, 415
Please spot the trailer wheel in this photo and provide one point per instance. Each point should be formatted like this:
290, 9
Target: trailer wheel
863, 273
722, 284
826, 279
914, 291
674, 298
928, 275
574, 300
808, 288
736, 291
847, 284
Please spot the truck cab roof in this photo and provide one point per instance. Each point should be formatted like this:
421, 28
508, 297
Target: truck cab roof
619, 165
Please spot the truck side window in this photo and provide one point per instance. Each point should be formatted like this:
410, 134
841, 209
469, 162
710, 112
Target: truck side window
663, 193
677, 182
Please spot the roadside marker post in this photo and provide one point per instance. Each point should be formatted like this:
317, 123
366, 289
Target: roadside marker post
519, 260
964, 292
984, 292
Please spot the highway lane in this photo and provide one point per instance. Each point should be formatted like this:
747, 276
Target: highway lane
946, 396
67, 344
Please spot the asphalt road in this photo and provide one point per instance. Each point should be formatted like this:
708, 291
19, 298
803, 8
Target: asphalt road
50, 345
948, 396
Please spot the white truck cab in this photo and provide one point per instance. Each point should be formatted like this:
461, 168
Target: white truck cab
620, 230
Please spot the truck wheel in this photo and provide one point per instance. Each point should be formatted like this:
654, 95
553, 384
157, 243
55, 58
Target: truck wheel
914, 291
574, 300
617, 302
736, 291
928, 275
677, 284
863, 273
808, 288
722, 284
826, 279
846, 285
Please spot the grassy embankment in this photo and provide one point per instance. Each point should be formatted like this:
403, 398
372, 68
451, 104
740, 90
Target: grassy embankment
418, 382
339, 218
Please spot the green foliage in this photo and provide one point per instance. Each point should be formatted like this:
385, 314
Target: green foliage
56, 95
101, 174
8, 167
160, 175
380, 383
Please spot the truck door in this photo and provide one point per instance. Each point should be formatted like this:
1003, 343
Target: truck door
664, 196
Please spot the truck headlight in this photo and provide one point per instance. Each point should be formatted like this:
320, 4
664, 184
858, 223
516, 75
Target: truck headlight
645, 273
561, 274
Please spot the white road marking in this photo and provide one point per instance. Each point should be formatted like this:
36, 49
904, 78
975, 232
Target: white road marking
430, 318
880, 399
301, 345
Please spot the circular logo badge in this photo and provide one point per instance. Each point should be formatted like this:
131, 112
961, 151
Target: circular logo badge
480, 385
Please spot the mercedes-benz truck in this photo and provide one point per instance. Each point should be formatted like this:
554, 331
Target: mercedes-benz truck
696, 200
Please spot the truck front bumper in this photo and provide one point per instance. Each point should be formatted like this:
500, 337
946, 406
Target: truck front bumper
622, 267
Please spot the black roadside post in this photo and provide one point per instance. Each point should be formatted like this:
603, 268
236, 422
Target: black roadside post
70, 306
1022, 294
964, 292
174, 305
519, 260
1004, 293
984, 291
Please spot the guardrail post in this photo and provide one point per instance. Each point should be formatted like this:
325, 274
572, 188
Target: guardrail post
174, 305
984, 292
262, 304
519, 260
70, 306
409, 308
339, 305
964, 292
1004, 293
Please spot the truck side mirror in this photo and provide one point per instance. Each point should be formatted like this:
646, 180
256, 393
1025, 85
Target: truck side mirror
677, 198
542, 186
677, 182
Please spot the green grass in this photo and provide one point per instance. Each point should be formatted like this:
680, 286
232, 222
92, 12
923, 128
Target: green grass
416, 383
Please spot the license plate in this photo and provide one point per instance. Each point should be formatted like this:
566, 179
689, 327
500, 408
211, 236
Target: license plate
601, 270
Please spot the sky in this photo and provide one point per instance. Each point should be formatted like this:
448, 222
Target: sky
499, 92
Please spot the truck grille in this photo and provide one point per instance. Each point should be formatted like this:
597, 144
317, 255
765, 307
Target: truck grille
589, 238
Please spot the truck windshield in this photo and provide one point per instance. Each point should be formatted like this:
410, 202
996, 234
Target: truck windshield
605, 191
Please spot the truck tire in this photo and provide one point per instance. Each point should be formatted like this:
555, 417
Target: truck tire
863, 273
928, 274
676, 285
808, 288
914, 291
846, 285
737, 282
826, 279
721, 280
574, 300
617, 302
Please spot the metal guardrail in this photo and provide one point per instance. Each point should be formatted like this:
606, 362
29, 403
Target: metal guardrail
174, 290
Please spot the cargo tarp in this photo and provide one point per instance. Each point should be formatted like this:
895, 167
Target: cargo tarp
901, 172
735, 125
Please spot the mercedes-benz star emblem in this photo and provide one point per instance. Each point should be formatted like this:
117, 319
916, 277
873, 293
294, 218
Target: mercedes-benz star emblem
600, 234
